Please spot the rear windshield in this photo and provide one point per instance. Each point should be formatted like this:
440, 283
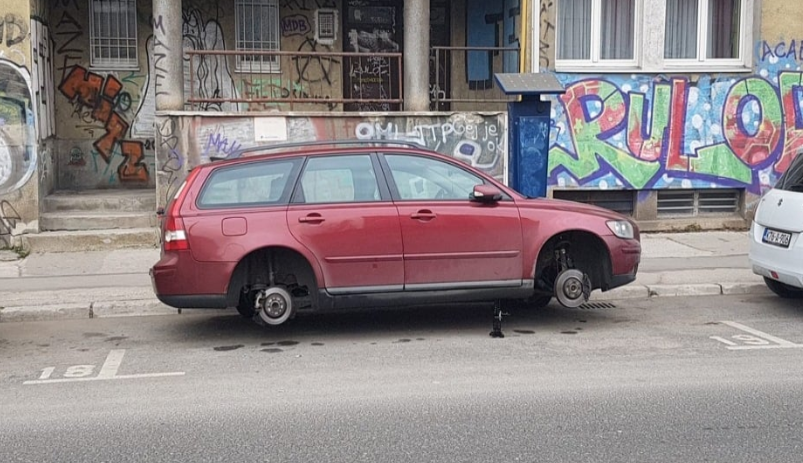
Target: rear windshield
253, 184
792, 179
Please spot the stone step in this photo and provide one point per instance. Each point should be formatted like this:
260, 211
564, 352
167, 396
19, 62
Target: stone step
96, 220
90, 240
101, 200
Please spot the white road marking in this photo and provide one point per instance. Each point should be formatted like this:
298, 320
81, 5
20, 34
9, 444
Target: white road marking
112, 364
760, 343
723, 340
75, 380
107, 371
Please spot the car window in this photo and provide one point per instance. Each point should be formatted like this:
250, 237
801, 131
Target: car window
419, 178
339, 179
792, 179
247, 184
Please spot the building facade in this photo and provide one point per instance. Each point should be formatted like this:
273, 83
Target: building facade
678, 112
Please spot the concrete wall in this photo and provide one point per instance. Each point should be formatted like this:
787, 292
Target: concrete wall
185, 140
19, 150
657, 131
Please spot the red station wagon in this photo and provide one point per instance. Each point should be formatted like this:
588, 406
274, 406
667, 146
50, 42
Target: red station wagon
336, 225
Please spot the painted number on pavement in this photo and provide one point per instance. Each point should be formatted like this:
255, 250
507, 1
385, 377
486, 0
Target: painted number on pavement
754, 339
87, 372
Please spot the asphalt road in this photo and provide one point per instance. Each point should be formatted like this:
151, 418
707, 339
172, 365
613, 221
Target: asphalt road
663, 380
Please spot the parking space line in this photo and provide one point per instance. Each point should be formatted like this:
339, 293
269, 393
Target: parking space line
81, 373
97, 378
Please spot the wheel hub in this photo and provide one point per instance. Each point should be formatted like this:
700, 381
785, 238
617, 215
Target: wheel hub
275, 305
572, 288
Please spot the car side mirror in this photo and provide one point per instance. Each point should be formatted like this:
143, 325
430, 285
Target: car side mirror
486, 194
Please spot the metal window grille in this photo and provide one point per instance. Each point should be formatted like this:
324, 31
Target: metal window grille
326, 28
257, 25
698, 202
113, 33
621, 201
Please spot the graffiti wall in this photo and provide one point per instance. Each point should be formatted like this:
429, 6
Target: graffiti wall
96, 109
19, 204
186, 141
105, 118
649, 132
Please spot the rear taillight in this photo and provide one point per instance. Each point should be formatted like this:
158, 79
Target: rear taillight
175, 235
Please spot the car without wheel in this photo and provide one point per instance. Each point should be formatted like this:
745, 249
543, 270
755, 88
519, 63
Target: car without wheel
333, 225
776, 234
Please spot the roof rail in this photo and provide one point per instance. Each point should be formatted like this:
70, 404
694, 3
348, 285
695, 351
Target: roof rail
358, 142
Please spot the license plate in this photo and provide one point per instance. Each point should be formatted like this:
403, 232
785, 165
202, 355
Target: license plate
777, 238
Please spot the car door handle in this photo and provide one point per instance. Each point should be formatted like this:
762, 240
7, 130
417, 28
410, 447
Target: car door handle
423, 215
312, 218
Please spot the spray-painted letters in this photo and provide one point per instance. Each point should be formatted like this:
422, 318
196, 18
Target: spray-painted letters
106, 100
647, 132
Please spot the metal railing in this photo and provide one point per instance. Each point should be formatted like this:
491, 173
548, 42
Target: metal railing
477, 66
342, 81
270, 80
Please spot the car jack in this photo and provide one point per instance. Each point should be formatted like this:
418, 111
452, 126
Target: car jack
497, 324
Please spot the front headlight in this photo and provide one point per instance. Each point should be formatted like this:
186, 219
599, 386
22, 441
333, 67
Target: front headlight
621, 228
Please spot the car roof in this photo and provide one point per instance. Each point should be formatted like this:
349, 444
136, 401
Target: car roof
318, 149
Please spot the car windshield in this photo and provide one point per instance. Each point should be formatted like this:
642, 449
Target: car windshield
792, 179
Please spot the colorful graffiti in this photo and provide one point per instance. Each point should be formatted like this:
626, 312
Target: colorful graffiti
106, 100
644, 132
18, 159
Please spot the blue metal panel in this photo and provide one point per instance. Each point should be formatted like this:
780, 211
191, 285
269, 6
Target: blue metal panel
528, 141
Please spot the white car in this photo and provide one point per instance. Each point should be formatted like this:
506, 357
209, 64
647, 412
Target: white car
776, 236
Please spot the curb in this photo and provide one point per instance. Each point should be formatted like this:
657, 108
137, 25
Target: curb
152, 306
98, 309
693, 289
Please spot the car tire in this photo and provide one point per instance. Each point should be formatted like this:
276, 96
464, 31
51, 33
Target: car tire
783, 290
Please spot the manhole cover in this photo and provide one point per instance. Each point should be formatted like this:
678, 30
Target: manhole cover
597, 306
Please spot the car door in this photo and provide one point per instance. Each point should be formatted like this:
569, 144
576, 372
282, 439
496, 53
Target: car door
450, 241
344, 215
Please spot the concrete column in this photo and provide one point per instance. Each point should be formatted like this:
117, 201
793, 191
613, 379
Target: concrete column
416, 55
168, 55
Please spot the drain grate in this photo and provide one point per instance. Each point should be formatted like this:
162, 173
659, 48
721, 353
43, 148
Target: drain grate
597, 306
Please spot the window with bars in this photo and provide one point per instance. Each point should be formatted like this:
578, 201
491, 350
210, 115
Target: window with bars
621, 201
257, 25
326, 25
113, 34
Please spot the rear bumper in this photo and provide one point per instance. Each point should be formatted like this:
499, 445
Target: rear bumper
180, 281
780, 264
203, 301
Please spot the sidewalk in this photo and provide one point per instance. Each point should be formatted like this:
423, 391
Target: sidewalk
92, 284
